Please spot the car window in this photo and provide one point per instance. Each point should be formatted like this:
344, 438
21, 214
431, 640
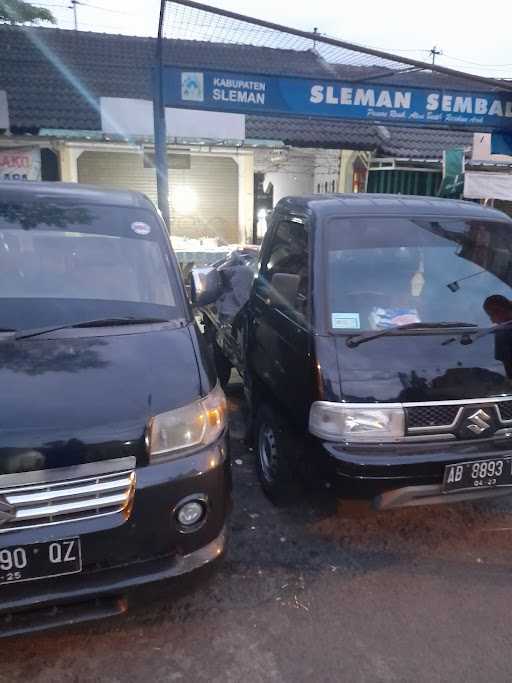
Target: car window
391, 271
290, 254
60, 263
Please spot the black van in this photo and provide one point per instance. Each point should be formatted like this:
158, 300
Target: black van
114, 468
376, 347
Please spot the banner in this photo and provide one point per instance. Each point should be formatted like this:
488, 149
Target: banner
248, 93
488, 185
452, 184
21, 163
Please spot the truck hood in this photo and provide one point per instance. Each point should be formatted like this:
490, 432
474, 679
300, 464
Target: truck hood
84, 396
420, 367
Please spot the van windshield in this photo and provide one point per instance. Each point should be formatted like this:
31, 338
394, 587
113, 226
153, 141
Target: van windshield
63, 262
384, 272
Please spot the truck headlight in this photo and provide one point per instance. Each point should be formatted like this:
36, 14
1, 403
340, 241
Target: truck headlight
353, 422
195, 425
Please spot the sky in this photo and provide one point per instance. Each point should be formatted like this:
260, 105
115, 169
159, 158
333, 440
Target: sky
474, 36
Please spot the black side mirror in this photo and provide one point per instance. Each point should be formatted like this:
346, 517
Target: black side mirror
205, 286
283, 289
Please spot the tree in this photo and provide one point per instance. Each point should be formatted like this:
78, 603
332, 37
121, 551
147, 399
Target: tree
20, 12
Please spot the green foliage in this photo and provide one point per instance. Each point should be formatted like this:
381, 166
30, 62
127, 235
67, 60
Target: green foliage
20, 12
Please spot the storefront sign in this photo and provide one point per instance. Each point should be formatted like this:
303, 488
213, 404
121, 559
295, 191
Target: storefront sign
22, 163
276, 95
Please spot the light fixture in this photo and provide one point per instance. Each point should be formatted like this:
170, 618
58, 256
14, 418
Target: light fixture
185, 200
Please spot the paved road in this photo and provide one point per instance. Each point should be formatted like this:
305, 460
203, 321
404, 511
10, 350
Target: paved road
313, 593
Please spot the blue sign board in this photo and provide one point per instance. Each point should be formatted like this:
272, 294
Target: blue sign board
247, 93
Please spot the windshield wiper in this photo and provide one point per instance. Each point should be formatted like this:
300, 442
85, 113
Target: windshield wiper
99, 322
358, 339
470, 337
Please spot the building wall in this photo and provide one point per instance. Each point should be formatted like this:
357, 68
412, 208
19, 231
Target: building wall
290, 171
204, 198
327, 171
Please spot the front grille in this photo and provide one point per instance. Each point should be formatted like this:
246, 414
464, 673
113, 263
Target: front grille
505, 408
421, 417
53, 502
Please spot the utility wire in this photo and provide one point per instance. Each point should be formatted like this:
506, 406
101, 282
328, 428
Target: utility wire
466, 61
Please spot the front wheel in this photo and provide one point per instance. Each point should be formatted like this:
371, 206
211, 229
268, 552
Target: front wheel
275, 458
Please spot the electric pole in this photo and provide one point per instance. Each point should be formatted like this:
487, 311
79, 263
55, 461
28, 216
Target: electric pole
315, 31
435, 52
73, 5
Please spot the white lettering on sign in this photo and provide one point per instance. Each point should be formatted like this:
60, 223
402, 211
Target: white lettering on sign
463, 105
433, 102
496, 108
238, 96
238, 91
365, 98
386, 99
317, 94
239, 84
446, 103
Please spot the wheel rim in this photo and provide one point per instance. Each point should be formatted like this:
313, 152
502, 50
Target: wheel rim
267, 452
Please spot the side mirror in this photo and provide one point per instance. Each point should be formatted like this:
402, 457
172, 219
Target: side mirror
205, 286
284, 288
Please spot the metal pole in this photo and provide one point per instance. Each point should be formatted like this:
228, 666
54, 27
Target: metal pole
160, 129
74, 3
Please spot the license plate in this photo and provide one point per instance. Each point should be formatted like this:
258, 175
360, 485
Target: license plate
40, 560
478, 475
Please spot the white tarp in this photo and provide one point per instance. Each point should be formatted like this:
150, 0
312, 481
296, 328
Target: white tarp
130, 117
20, 163
4, 111
487, 185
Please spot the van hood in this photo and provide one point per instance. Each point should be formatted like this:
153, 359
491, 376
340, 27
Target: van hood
84, 396
421, 367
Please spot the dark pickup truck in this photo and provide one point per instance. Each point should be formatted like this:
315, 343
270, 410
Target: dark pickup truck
374, 340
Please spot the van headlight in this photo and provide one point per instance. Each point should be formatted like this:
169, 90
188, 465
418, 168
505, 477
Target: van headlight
353, 422
191, 427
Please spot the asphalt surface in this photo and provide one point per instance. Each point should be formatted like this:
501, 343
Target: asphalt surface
323, 591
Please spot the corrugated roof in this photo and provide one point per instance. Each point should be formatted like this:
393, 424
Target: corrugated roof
54, 79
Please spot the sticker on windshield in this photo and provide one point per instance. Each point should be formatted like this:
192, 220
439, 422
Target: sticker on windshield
345, 321
382, 318
140, 228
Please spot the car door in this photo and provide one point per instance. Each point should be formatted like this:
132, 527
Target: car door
281, 336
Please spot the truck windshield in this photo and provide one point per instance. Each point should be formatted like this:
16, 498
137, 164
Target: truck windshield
383, 272
62, 263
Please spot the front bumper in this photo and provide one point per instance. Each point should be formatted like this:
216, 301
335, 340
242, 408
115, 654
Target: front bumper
405, 474
120, 555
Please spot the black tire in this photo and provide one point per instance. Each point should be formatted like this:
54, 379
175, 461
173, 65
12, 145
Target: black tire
276, 458
222, 365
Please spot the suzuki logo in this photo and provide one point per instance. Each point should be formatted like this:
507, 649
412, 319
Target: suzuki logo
479, 422
7, 512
